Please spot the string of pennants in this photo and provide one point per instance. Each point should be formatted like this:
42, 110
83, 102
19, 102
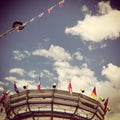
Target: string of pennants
93, 94
18, 25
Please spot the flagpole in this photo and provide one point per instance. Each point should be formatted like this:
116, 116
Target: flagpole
39, 78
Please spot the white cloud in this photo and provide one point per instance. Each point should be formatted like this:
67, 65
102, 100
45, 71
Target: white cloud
33, 74
48, 73
81, 77
85, 9
21, 82
102, 26
1, 88
114, 116
55, 52
104, 7
22, 72
94, 46
112, 73
62, 64
10, 78
91, 47
31, 84
2, 84
18, 71
103, 45
41, 52
18, 55
78, 56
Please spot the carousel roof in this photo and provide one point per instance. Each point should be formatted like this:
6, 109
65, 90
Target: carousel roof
52, 104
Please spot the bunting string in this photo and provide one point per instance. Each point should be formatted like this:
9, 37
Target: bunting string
17, 25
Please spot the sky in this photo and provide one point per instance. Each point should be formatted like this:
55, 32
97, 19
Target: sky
79, 41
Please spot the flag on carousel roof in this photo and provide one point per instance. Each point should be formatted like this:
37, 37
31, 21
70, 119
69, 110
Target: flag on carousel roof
70, 87
3, 97
38, 86
15, 88
106, 104
94, 94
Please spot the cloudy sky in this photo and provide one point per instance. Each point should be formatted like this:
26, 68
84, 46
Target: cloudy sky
78, 42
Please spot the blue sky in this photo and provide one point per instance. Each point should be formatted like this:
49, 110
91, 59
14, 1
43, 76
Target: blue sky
78, 42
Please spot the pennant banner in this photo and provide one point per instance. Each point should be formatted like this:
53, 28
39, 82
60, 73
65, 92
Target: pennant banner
21, 25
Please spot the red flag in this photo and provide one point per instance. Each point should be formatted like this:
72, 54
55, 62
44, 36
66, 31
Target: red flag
15, 88
105, 104
94, 94
38, 87
61, 3
70, 87
50, 9
3, 97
